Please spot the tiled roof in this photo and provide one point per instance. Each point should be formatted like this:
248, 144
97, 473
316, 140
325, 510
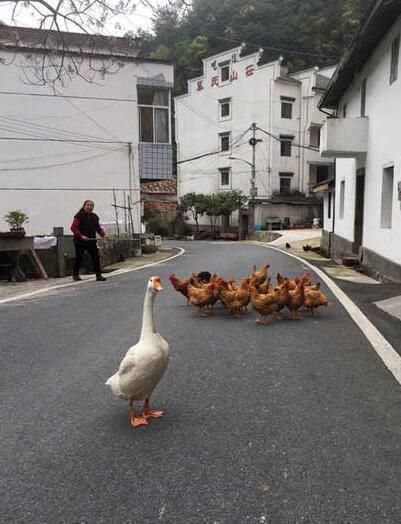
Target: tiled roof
160, 186
26, 36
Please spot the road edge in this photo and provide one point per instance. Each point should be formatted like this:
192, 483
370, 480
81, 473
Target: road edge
90, 279
380, 344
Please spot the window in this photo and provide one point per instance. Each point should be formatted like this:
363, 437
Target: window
387, 197
395, 52
329, 205
224, 177
322, 173
285, 185
224, 141
225, 108
286, 110
285, 145
224, 69
314, 136
363, 98
342, 198
154, 115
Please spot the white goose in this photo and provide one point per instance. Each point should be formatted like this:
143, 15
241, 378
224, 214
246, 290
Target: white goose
144, 364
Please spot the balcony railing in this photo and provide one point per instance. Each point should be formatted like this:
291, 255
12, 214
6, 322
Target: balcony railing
344, 137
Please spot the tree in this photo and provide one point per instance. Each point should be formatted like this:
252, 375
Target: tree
62, 48
223, 204
305, 33
195, 203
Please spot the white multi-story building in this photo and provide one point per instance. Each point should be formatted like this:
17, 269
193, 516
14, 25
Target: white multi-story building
362, 211
215, 117
84, 135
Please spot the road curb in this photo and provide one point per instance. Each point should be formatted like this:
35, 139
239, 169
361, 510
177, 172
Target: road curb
380, 344
90, 279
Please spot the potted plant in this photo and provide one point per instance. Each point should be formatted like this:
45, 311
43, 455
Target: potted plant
15, 219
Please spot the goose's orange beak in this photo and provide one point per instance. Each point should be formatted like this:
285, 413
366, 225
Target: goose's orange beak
157, 286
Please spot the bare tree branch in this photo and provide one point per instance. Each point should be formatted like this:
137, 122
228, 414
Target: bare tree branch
55, 53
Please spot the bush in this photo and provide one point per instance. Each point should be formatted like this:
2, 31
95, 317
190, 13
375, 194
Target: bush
154, 225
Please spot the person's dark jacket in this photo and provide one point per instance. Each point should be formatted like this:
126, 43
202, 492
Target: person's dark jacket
86, 224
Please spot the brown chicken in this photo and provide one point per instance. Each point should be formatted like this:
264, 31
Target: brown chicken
203, 297
305, 279
264, 303
180, 285
234, 301
296, 299
259, 276
314, 299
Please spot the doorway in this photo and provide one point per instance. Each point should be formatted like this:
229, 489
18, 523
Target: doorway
359, 205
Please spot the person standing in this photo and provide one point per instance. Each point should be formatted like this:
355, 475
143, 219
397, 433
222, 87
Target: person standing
85, 226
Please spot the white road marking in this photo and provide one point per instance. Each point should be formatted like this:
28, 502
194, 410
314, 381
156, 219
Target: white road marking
90, 279
383, 348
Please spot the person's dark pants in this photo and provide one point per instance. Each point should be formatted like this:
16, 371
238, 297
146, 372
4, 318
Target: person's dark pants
91, 247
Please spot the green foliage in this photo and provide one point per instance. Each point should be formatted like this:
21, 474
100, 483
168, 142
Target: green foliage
305, 33
16, 219
155, 226
213, 205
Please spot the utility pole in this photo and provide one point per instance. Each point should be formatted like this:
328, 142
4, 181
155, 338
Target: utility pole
253, 190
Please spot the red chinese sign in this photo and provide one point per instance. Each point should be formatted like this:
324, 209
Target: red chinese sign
215, 81
249, 70
233, 76
199, 85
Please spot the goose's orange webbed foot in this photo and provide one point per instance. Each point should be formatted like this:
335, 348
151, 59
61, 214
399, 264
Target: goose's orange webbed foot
151, 413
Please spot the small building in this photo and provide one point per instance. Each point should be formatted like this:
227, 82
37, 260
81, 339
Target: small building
90, 135
213, 122
362, 204
160, 201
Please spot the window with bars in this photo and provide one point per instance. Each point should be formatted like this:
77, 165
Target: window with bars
154, 115
224, 72
285, 145
224, 139
314, 136
225, 108
224, 177
286, 110
285, 185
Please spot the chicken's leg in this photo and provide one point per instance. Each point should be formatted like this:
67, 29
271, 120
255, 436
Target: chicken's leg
148, 413
135, 421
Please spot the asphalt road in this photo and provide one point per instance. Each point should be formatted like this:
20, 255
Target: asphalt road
294, 421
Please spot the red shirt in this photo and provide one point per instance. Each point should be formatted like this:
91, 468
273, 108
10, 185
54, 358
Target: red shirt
76, 230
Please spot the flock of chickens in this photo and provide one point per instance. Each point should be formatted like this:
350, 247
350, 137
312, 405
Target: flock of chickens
204, 290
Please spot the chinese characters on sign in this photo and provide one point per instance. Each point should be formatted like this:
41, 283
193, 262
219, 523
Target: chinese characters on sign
214, 82
249, 70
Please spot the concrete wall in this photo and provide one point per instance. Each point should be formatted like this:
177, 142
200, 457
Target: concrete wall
383, 109
50, 179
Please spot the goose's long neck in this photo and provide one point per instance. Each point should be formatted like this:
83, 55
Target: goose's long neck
148, 321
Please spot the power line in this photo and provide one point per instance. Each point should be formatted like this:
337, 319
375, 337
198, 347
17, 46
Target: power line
61, 140
68, 96
34, 168
292, 143
67, 189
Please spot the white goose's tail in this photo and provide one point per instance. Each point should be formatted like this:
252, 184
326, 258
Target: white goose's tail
114, 383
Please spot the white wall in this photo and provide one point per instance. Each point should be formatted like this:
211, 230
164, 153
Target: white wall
104, 111
383, 107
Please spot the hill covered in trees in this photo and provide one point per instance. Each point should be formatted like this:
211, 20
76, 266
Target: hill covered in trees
306, 32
